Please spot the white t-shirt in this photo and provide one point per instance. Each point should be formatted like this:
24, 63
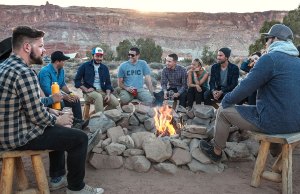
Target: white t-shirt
97, 78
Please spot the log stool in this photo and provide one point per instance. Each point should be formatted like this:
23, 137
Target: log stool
282, 168
13, 160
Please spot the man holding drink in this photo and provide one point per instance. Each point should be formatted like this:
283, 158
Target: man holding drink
131, 79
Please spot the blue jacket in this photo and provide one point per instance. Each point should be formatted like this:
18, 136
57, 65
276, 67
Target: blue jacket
276, 76
232, 77
245, 67
86, 75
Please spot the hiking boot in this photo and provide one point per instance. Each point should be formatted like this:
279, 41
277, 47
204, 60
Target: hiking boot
57, 183
208, 150
87, 190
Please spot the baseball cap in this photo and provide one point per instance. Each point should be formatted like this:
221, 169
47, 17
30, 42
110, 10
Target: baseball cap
97, 51
280, 31
58, 56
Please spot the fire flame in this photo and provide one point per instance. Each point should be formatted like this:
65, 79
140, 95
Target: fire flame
163, 117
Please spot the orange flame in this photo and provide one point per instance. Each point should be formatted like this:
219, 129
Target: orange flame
163, 117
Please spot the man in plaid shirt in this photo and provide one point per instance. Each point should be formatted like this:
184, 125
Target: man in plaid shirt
173, 78
25, 124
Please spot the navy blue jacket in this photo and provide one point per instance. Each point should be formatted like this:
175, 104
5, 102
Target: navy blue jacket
86, 75
232, 77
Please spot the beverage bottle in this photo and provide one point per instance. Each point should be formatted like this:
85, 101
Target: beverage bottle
54, 90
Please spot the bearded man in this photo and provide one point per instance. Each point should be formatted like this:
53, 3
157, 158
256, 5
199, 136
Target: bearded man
93, 79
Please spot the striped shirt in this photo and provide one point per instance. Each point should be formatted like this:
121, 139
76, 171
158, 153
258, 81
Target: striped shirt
174, 78
22, 115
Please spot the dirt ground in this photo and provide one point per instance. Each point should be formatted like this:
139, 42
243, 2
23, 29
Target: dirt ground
234, 180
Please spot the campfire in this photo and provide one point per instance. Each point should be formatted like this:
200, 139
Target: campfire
164, 123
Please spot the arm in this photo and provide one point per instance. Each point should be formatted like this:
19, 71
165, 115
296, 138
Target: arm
212, 81
164, 80
204, 78
45, 81
79, 76
149, 83
260, 74
190, 79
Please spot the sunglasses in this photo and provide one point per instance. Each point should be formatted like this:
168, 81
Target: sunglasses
131, 55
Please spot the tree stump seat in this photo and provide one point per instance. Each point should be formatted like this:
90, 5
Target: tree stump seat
282, 168
11, 161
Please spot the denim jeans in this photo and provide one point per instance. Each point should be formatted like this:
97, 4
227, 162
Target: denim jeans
61, 139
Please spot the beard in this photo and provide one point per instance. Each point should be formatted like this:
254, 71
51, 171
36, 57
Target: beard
97, 61
35, 59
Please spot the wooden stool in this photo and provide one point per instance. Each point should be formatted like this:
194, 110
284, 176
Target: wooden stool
12, 160
282, 168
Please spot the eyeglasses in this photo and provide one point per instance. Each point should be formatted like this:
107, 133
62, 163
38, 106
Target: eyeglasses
131, 55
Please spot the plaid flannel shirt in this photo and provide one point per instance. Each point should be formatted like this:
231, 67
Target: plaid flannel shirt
22, 115
174, 78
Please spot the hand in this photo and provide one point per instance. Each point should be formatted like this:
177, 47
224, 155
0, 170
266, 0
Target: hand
74, 97
90, 90
57, 97
175, 95
65, 119
198, 88
130, 89
215, 94
107, 98
55, 112
165, 95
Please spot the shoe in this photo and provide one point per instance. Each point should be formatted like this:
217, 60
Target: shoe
87, 190
208, 150
57, 183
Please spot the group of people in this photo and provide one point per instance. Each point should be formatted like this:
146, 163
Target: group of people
28, 122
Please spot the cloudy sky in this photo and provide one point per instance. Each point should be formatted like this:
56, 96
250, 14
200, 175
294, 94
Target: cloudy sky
212, 6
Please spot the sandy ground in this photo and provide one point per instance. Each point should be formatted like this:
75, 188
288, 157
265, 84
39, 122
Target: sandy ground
234, 180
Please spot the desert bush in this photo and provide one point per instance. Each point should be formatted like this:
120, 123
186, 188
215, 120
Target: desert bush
156, 65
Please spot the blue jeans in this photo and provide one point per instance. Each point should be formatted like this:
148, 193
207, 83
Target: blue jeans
61, 139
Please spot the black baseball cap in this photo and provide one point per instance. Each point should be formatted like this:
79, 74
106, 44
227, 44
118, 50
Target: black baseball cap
58, 56
5, 48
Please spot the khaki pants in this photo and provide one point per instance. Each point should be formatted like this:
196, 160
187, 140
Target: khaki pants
143, 95
98, 98
225, 119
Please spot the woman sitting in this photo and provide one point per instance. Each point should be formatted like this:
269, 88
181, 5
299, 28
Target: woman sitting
197, 83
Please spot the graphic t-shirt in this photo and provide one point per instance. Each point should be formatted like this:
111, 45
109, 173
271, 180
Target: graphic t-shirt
133, 74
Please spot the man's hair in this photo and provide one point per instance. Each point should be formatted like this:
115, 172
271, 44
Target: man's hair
256, 53
174, 56
23, 33
136, 49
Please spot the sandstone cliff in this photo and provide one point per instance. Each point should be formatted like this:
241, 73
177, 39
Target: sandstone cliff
77, 29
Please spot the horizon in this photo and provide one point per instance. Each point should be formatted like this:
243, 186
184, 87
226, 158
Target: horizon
212, 6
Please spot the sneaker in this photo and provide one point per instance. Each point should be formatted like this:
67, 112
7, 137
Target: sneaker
57, 183
87, 190
208, 150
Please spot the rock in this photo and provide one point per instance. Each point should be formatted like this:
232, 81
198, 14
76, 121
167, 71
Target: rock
115, 149
139, 138
106, 142
194, 144
179, 143
137, 163
157, 150
203, 111
141, 117
196, 166
198, 155
166, 168
238, 152
123, 122
149, 124
126, 140
140, 108
133, 120
113, 114
99, 161
193, 135
198, 129
97, 150
133, 152
252, 145
114, 133
200, 121
180, 156
128, 108
100, 121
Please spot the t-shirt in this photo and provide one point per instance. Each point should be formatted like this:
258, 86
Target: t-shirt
223, 75
97, 78
133, 74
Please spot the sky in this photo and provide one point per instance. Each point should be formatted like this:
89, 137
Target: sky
210, 6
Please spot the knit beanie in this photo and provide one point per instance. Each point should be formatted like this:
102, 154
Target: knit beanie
226, 51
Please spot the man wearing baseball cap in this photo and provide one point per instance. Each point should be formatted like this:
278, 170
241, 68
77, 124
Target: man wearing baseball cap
54, 72
276, 77
93, 79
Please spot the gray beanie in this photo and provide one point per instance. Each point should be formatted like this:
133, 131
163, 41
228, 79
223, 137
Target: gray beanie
226, 51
